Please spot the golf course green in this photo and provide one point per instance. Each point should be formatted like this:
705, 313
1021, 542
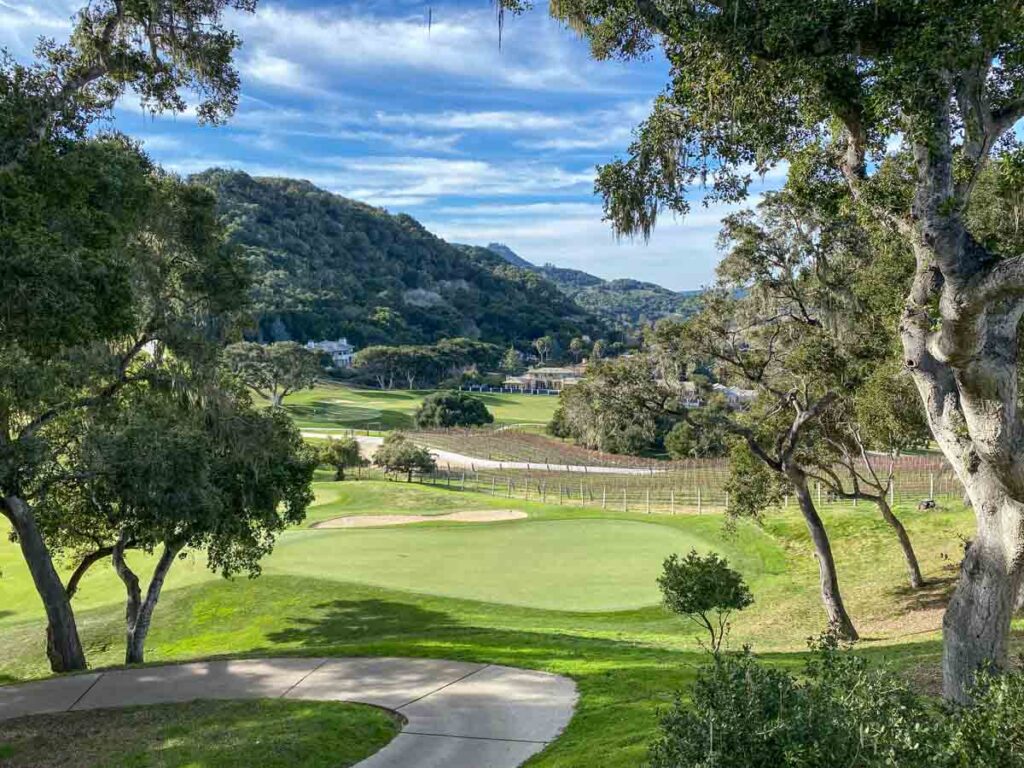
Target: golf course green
566, 590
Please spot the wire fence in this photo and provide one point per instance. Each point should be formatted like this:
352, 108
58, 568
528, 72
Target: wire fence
660, 493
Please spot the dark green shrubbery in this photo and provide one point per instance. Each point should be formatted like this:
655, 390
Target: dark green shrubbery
452, 409
841, 712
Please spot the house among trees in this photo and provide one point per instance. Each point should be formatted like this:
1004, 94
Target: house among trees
340, 351
546, 380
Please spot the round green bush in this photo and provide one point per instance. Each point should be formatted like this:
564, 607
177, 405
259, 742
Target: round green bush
452, 409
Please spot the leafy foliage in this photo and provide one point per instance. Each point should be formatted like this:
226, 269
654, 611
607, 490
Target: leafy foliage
273, 371
614, 408
452, 409
746, 714
687, 441
341, 454
705, 589
399, 455
422, 365
326, 267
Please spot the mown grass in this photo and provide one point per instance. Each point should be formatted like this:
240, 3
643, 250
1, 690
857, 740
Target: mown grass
335, 406
207, 734
510, 593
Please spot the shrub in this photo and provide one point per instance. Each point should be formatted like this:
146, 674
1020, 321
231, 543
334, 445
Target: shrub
706, 590
840, 712
452, 409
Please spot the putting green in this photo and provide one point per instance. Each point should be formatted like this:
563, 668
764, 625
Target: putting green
575, 565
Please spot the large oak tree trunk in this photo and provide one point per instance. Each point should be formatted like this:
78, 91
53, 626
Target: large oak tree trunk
966, 372
838, 619
976, 626
909, 556
63, 645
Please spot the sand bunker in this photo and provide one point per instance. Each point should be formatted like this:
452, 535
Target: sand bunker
467, 516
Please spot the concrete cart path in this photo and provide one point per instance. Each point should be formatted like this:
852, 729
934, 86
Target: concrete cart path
457, 714
461, 461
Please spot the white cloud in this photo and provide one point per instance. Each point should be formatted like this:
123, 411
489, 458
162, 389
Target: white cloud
480, 121
535, 54
24, 23
680, 255
432, 177
276, 71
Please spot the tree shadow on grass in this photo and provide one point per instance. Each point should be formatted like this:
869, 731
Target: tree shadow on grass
354, 621
934, 595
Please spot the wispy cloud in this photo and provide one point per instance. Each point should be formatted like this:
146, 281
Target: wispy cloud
456, 43
479, 142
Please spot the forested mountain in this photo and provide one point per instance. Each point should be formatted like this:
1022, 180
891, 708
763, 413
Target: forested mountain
621, 302
325, 266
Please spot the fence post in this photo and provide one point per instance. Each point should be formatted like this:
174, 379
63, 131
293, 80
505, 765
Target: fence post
544, 492
698, 502
604, 497
931, 485
559, 493
672, 501
492, 485
510, 488
463, 480
648, 501
583, 502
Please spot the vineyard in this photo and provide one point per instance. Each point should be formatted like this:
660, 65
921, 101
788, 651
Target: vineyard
514, 443
695, 486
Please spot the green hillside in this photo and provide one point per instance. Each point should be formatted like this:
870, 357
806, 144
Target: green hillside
621, 303
325, 266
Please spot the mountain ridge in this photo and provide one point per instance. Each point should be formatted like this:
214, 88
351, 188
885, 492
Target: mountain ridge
621, 301
325, 266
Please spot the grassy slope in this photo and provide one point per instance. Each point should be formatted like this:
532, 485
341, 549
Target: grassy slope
212, 734
331, 405
628, 663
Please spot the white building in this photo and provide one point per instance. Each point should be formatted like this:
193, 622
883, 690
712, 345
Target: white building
340, 351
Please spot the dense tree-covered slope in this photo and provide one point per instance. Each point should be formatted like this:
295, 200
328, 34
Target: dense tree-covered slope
325, 266
621, 302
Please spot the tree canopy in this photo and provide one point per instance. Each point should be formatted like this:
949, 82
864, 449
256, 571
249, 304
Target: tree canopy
452, 409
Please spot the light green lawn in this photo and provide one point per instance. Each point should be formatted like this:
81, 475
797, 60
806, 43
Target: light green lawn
512, 593
335, 406
580, 565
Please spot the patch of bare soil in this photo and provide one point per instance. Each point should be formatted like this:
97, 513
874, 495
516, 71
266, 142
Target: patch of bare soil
465, 516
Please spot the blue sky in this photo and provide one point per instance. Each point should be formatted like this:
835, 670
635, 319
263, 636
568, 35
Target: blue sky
480, 144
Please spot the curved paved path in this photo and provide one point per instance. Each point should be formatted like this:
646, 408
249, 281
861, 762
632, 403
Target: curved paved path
461, 461
458, 714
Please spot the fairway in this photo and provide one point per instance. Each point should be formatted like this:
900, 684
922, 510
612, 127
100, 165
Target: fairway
331, 405
578, 565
